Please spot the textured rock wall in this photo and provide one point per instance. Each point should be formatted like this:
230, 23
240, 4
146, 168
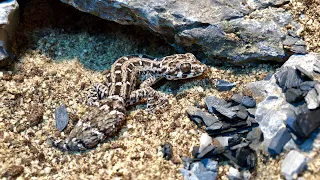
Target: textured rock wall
8, 22
218, 30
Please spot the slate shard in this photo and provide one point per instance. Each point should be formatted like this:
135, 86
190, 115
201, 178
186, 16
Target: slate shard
248, 102
61, 117
312, 99
294, 95
167, 151
293, 163
246, 157
288, 77
307, 74
198, 116
307, 85
306, 123
278, 141
223, 85
212, 102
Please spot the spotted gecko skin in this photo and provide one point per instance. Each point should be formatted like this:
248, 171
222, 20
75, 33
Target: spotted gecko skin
122, 89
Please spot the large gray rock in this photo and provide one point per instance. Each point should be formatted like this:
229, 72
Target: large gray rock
293, 163
8, 22
237, 31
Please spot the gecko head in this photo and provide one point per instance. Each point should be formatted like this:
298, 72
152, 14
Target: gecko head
183, 66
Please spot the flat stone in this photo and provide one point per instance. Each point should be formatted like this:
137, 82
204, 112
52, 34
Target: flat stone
307, 85
62, 118
226, 112
305, 123
306, 61
288, 77
294, 95
195, 114
187, 162
223, 85
205, 141
210, 164
304, 72
268, 76
278, 141
211, 28
238, 146
234, 174
223, 140
242, 114
317, 88
197, 167
293, 163
212, 102
312, 99
188, 175
207, 175
237, 98
248, 102
207, 150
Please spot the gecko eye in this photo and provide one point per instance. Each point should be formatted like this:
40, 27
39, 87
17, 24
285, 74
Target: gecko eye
185, 68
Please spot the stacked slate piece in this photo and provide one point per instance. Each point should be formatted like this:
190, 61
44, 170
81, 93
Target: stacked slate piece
232, 135
225, 117
301, 89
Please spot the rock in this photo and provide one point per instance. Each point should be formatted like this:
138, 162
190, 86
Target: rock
278, 141
237, 98
167, 151
317, 88
211, 28
207, 175
210, 164
304, 124
61, 116
307, 85
223, 140
248, 102
197, 167
187, 162
312, 99
246, 157
238, 146
234, 140
188, 175
205, 151
245, 175
226, 112
270, 115
304, 72
197, 114
294, 95
268, 76
205, 141
288, 77
195, 151
9, 17
212, 102
215, 127
255, 136
292, 164
242, 114
306, 61
234, 174
223, 85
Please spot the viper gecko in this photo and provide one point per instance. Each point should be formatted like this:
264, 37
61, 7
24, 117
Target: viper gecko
121, 89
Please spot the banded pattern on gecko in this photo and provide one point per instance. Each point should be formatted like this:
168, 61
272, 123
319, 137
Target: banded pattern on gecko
120, 90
